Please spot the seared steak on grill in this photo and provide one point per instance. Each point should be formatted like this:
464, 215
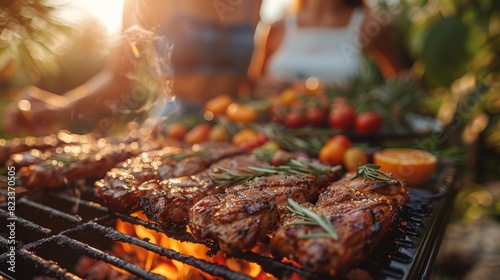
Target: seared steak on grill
19, 145
120, 188
64, 169
168, 202
243, 215
69, 164
362, 213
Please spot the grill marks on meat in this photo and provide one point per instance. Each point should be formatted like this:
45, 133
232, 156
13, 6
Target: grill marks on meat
168, 202
361, 211
243, 215
120, 188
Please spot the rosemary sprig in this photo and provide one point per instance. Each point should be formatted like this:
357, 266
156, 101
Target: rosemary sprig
372, 172
294, 166
312, 219
185, 155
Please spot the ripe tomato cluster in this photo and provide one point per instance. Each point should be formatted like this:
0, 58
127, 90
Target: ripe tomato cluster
247, 138
294, 109
342, 116
224, 105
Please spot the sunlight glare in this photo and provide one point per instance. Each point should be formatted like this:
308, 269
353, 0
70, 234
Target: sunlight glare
107, 12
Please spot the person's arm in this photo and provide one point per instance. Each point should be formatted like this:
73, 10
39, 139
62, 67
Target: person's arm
383, 47
113, 83
268, 40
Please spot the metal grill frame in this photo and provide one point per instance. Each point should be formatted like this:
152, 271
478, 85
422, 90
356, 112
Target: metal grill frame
408, 253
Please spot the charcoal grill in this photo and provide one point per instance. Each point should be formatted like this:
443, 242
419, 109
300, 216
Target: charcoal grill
55, 228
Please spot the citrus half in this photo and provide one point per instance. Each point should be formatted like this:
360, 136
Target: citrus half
414, 166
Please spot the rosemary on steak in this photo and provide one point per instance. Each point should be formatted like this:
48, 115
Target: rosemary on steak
294, 166
312, 219
185, 155
372, 172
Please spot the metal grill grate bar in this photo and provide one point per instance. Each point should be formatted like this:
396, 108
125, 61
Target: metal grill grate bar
29, 225
50, 211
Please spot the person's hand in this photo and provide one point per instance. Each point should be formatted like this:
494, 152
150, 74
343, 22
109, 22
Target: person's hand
267, 86
36, 111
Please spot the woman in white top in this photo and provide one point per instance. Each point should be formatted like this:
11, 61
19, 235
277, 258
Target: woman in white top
326, 39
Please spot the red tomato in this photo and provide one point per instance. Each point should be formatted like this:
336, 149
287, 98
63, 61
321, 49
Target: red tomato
176, 130
341, 140
294, 120
316, 116
333, 150
368, 123
198, 133
244, 136
341, 116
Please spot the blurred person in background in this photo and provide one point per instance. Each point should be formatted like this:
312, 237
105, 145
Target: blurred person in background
204, 47
326, 39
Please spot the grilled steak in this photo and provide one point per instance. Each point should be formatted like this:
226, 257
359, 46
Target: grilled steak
362, 213
58, 170
69, 164
19, 145
168, 202
120, 188
243, 215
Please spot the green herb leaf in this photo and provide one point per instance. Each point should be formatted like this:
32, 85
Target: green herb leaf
312, 219
294, 166
372, 172
185, 155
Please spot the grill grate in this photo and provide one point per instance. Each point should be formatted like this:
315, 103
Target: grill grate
408, 252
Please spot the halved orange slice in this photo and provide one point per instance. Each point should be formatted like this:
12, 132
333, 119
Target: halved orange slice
414, 166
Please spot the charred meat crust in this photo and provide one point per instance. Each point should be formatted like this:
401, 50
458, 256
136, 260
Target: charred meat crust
362, 213
167, 202
224, 217
120, 188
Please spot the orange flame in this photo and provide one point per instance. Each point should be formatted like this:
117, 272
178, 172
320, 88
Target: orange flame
173, 269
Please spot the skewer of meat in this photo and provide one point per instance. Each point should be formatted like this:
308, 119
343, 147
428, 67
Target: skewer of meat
360, 210
246, 212
168, 202
120, 188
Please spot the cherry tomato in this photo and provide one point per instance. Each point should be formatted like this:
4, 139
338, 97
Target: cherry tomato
243, 136
241, 113
341, 116
341, 140
368, 123
219, 104
288, 97
316, 116
333, 150
198, 133
294, 119
218, 133
353, 157
257, 142
176, 130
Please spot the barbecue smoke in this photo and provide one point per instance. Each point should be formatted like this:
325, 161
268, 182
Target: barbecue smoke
151, 76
